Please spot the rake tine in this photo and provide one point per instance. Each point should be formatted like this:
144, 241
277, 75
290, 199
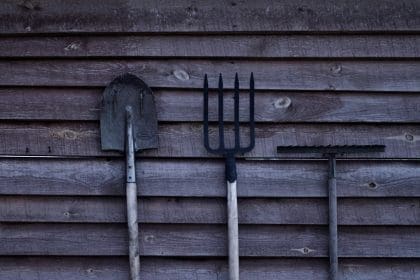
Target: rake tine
236, 113
221, 128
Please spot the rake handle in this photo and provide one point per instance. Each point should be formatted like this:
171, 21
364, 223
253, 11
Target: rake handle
131, 191
332, 216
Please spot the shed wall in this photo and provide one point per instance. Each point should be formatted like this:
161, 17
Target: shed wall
327, 72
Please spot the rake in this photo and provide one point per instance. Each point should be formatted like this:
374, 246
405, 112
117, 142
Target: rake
330, 152
229, 154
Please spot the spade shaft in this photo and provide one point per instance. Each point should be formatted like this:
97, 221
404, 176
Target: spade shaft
131, 189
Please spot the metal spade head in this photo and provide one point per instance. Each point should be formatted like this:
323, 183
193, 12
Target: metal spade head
123, 91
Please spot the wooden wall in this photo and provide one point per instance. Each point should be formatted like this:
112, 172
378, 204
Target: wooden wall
327, 72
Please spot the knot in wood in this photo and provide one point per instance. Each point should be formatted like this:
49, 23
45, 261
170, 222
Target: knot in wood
304, 250
72, 46
282, 102
372, 185
29, 5
336, 69
149, 238
181, 75
69, 134
409, 137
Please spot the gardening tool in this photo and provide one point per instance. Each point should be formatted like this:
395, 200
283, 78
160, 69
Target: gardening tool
128, 122
330, 152
229, 154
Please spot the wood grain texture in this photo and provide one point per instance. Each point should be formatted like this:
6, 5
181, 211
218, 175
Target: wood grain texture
217, 46
205, 178
185, 140
327, 72
351, 211
206, 240
340, 75
115, 268
187, 105
202, 16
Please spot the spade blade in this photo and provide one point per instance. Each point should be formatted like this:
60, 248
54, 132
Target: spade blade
123, 91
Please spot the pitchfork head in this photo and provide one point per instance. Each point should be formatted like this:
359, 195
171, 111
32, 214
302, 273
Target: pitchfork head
222, 150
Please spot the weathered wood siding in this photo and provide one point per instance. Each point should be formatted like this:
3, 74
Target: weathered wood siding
327, 72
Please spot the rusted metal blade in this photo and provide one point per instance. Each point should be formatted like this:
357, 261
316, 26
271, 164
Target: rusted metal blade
123, 91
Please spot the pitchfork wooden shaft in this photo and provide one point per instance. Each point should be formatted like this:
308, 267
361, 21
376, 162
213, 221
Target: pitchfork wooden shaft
233, 234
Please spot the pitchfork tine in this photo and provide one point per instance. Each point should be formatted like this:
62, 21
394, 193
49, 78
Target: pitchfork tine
236, 112
251, 112
206, 114
221, 129
251, 117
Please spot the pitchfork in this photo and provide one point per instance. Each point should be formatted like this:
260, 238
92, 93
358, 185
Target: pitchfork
229, 154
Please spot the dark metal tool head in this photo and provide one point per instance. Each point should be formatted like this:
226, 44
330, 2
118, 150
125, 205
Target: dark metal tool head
123, 91
222, 150
344, 149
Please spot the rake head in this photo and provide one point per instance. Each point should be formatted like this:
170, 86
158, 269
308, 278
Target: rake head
332, 149
222, 150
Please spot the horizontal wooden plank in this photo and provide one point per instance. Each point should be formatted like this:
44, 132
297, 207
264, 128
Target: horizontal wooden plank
185, 105
206, 240
218, 46
186, 140
351, 211
205, 178
43, 16
340, 75
152, 268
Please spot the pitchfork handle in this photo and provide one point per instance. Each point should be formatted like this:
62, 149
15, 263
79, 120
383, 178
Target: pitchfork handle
230, 168
232, 203
233, 235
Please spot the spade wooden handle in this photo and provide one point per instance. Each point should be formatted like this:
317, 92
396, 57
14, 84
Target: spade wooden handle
131, 188
133, 231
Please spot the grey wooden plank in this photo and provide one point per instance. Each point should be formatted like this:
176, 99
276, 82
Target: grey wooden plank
185, 140
218, 46
112, 268
340, 75
207, 240
205, 178
185, 105
202, 16
361, 211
